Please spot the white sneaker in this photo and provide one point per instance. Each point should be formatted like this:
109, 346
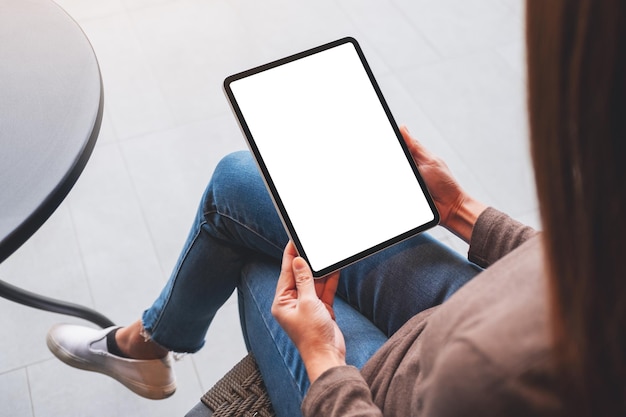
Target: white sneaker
86, 348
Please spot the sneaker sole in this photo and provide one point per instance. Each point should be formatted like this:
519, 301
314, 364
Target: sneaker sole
143, 390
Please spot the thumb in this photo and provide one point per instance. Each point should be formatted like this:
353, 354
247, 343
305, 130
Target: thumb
418, 151
303, 277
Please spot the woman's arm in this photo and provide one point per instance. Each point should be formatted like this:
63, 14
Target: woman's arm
491, 237
457, 209
304, 309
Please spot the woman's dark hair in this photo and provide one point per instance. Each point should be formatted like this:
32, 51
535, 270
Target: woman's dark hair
576, 52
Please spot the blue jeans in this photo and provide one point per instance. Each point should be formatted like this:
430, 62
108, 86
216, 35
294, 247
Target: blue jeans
236, 242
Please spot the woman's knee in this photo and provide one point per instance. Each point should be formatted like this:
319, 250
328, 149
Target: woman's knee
236, 176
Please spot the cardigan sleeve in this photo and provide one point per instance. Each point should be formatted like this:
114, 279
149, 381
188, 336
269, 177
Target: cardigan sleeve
495, 235
340, 392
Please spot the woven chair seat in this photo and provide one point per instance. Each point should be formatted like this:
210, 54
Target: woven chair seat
240, 393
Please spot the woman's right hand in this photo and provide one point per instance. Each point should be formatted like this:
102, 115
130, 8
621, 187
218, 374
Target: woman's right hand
304, 309
458, 211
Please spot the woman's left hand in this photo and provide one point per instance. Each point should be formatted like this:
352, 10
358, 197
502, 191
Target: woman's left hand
304, 308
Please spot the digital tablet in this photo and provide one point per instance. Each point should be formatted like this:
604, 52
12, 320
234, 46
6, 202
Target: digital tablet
331, 155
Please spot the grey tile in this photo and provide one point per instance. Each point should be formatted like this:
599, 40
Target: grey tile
138, 4
462, 27
133, 98
107, 132
170, 170
461, 247
531, 218
123, 271
224, 346
14, 394
517, 6
28, 328
450, 240
49, 264
389, 32
90, 9
286, 27
190, 47
515, 55
60, 390
439, 233
49, 261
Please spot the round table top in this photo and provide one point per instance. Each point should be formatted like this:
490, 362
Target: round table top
50, 114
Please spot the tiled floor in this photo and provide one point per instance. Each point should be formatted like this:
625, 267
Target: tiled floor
452, 70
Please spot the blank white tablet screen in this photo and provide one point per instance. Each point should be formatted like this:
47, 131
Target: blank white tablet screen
332, 154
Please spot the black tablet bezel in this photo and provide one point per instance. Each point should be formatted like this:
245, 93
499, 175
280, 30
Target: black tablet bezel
267, 177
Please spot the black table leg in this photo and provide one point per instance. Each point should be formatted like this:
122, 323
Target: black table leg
13, 293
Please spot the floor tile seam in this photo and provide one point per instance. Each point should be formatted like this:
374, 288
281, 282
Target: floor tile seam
90, 19
470, 55
146, 6
514, 9
107, 116
501, 57
441, 53
175, 126
390, 69
25, 366
196, 371
147, 66
148, 63
81, 251
142, 211
416, 28
30, 392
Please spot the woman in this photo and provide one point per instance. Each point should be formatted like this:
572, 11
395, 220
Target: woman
539, 331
